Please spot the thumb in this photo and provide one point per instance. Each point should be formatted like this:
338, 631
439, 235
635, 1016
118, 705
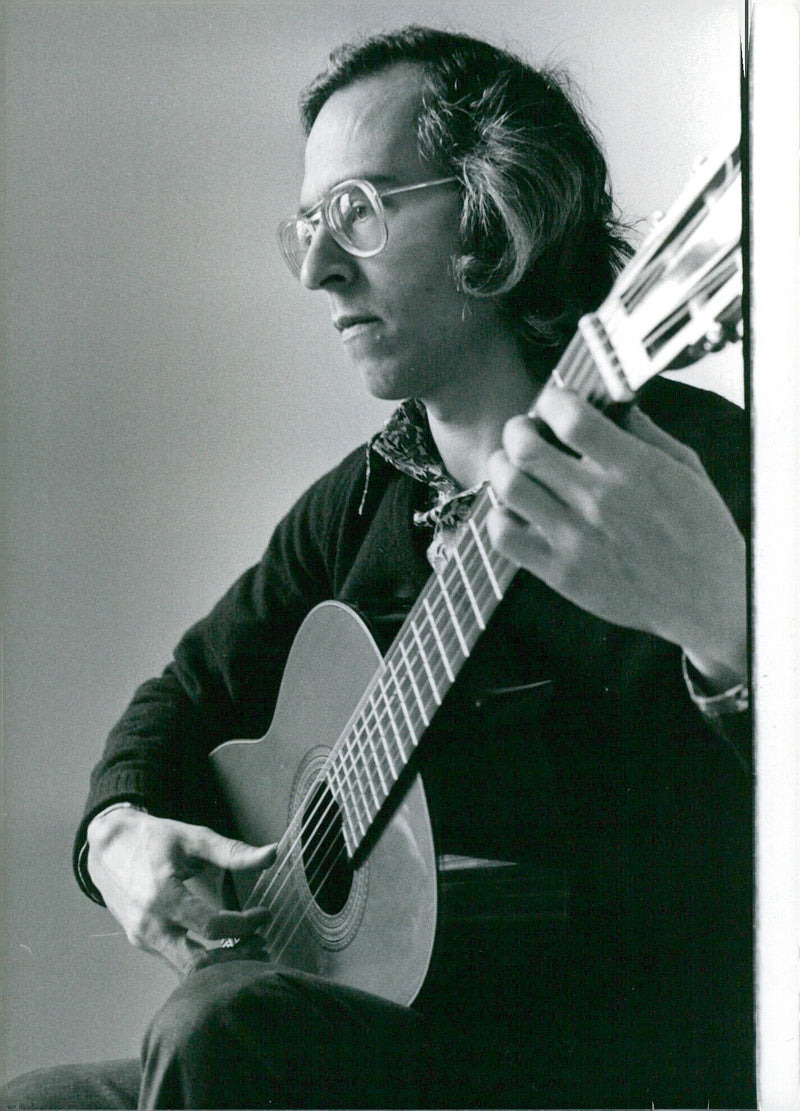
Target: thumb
228, 853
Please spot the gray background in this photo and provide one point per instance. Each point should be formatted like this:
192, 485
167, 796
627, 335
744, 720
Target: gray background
169, 389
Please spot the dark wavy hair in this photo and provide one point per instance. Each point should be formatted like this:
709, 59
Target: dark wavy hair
539, 229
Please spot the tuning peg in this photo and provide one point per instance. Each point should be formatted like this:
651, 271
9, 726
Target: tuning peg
714, 339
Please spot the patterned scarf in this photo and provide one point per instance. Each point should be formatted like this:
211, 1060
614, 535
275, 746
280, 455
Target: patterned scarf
406, 443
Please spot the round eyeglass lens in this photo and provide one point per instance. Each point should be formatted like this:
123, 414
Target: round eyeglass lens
355, 217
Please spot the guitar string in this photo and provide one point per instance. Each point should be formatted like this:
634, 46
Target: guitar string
452, 648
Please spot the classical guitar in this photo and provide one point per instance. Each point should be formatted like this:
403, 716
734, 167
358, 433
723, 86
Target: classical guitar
358, 890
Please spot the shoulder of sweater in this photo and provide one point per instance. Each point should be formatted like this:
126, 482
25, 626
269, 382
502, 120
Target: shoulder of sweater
361, 475
678, 406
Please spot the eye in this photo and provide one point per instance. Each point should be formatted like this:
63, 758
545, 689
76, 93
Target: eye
354, 208
359, 209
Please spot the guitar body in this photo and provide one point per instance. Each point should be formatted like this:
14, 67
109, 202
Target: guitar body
372, 926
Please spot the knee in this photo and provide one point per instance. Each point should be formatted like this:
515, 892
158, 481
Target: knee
191, 1017
209, 1045
240, 1001
41, 1088
109, 1084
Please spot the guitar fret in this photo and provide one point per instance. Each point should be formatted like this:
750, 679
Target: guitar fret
426, 664
470, 593
384, 788
370, 784
438, 639
356, 789
393, 723
412, 677
344, 799
404, 708
349, 807
453, 618
485, 557
482, 599
363, 827
388, 753
393, 773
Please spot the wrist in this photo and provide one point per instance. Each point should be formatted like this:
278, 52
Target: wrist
98, 822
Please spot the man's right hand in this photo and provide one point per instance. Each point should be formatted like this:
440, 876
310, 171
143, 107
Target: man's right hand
140, 865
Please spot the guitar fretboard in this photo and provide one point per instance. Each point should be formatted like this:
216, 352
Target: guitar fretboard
435, 640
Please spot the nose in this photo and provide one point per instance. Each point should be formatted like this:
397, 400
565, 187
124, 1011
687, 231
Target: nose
326, 263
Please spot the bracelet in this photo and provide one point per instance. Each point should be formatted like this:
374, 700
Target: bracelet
735, 700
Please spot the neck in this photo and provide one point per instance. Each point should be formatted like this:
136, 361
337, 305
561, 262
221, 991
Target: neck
467, 425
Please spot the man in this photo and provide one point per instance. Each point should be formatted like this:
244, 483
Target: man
455, 212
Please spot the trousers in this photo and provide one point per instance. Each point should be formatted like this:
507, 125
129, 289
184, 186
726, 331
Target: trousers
244, 1034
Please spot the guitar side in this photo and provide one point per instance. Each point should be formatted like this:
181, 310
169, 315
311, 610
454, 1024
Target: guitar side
376, 934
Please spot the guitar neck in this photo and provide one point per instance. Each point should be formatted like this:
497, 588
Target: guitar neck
442, 628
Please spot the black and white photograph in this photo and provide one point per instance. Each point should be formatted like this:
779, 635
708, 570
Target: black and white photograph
400, 532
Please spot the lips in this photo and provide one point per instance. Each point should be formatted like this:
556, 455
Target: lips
343, 323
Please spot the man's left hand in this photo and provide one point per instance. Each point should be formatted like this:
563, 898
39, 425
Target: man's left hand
633, 530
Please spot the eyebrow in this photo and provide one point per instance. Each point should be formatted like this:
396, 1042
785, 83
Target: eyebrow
380, 181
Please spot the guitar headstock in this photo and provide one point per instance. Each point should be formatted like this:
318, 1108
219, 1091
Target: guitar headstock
680, 296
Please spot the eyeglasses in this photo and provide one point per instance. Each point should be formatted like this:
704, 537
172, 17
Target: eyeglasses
353, 213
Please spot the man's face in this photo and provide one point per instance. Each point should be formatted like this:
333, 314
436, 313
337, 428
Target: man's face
399, 314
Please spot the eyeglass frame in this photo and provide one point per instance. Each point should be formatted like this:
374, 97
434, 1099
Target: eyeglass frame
319, 213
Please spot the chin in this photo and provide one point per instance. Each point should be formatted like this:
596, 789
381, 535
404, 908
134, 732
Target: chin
385, 392
388, 384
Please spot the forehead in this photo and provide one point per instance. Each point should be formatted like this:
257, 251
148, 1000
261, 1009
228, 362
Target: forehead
367, 129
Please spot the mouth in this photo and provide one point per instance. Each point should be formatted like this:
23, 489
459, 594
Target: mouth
346, 324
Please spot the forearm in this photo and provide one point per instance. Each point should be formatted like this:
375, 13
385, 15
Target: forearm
154, 759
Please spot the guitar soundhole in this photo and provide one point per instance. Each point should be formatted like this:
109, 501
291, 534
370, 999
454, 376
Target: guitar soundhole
329, 873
